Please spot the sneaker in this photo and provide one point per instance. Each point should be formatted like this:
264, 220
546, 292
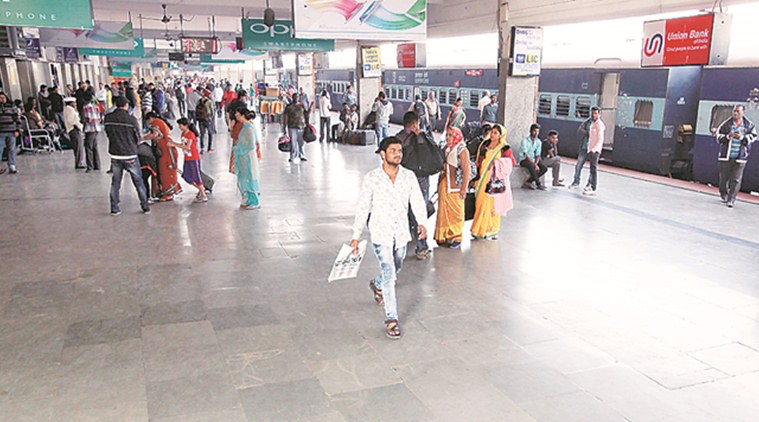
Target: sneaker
528, 186
723, 200
574, 186
454, 245
303, 159
422, 255
146, 211
290, 160
558, 184
588, 191
542, 187
13, 171
115, 213
210, 150
730, 204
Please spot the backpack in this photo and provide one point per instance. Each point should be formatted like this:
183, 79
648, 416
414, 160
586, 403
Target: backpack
423, 156
201, 113
420, 108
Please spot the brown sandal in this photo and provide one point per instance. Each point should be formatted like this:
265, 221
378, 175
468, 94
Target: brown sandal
392, 329
377, 293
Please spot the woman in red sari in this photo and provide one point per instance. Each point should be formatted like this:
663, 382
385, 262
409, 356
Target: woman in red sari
160, 133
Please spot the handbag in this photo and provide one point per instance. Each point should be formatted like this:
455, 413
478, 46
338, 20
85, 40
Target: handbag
284, 144
309, 133
495, 185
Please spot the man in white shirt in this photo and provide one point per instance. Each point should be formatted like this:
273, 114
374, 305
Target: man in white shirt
74, 128
433, 110
324, 115
386, 194
100, 95
218, 95
485, 100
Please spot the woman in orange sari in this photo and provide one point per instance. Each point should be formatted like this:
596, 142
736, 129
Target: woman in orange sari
452, 188
160, 133
487, 222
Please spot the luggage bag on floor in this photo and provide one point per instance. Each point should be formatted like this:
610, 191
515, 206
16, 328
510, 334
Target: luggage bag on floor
362, 137
207, 180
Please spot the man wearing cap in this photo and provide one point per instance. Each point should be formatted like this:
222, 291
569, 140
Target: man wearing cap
386, 195
74, 129
123, 133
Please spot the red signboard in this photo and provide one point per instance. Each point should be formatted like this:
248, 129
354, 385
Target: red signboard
474, 72
406, 55
678, 42
205, 45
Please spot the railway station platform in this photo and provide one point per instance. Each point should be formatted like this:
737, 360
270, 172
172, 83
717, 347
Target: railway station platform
640, 304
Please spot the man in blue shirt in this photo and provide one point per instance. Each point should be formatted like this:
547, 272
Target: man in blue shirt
529, 158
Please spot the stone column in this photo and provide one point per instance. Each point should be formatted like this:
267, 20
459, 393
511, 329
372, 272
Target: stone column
307, 83
366, 89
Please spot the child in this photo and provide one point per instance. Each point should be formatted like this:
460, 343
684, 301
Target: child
191, 170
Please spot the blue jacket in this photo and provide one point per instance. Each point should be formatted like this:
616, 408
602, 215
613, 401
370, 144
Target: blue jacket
723, 137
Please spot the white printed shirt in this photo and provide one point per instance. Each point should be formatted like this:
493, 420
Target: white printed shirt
386, 206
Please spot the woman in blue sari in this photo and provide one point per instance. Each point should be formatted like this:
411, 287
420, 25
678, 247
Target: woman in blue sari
247, 156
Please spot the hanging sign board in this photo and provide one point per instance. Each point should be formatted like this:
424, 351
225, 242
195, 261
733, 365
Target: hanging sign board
361, 20
258, 36
202, 45
694, 40
74, 14
121, 69
137, 51
526, 51
371, 64
32, 48
106, 35
66, 55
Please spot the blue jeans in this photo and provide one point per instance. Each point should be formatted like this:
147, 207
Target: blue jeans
133, 168
381, 129
421, 244
7, 137
391, 261
582, 156
205, 130
296, 141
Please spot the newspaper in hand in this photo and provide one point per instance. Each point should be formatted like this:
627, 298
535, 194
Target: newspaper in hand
347, 263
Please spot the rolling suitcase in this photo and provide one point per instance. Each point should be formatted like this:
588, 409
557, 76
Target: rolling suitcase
208, 181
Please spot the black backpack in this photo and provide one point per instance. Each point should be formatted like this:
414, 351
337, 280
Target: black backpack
422, 155
420, 108
200, 111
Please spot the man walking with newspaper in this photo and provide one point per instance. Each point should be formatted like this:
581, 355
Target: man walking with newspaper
386, 194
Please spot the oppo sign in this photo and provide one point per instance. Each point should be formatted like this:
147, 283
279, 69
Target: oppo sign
259, 36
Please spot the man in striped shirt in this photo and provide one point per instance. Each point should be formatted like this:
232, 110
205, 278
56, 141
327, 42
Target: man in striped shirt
735, 136
92, 127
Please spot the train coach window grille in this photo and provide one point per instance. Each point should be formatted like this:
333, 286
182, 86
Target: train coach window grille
720, 113
563, 104
464, 95
443, 97
582, 107
544, 104
407, 94
452, 95
423, 93
644, 113
474, 102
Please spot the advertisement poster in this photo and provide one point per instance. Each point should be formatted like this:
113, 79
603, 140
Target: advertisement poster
305, 64
66, 55
361, 19
113, 35
526, 51
370, 62
257, 36
677, 42
74, 14
32, 48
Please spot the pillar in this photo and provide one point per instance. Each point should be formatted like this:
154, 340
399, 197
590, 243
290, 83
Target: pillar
518, 95
305, 78
366, 88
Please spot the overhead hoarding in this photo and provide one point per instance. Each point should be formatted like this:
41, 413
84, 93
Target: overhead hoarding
258, 36
121, 69
32, 48
693, 40
363, 20
202, 45
74, 14
137, 51
110, 35
66, 55
371, 65
526, 51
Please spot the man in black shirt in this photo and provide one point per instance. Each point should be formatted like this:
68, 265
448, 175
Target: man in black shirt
550, 156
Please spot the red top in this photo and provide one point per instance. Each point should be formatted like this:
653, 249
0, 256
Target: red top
228, 97
189, 138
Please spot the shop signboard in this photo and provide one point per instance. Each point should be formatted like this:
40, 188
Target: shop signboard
258, 36
74, 14
371, 65
137, 51
693, 40
66, 55
201, 45
526, 51
32, 48
361, 20
121, 69
107, 35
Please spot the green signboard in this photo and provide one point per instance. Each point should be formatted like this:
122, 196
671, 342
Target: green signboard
208, 58
74, 14
121, 69
139, 51
257, 36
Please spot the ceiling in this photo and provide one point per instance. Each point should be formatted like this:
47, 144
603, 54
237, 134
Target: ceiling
446, 17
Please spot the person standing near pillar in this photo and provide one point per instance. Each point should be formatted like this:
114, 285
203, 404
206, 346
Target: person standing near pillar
325, 115
383, 110
735, 136
386, 195
74, 129
10, 122
92, 127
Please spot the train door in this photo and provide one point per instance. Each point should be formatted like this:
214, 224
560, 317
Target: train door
608, 105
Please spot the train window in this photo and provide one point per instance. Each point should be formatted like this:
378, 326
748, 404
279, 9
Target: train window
544, 104
443, 97
423, 93
474, 101
720, 113
582, 107
453, 94
644, 113
563, 103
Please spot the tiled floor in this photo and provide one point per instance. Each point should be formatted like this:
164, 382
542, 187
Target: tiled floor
639, 304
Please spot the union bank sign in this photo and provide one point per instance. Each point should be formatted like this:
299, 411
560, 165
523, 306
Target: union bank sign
74, 14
